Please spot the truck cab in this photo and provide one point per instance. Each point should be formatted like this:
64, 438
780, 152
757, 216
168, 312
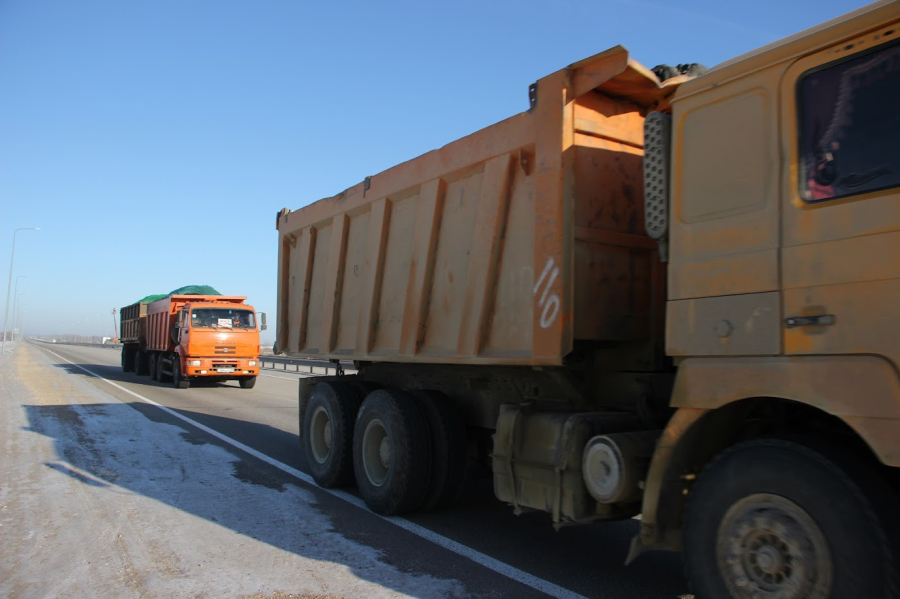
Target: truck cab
781, 192
218, 340
188, 336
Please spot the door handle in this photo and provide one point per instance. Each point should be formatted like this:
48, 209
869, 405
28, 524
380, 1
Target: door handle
809, 321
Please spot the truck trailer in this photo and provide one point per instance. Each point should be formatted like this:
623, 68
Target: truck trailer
185, 337
673, 298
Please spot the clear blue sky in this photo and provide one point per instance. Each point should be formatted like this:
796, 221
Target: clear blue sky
153, 142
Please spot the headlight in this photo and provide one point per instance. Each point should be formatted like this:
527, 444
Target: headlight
194, 362
251, 363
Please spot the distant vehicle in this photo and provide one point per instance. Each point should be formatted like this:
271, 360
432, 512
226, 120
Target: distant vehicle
669, 296
186, 337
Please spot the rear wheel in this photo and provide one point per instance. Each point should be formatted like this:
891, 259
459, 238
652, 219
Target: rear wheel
160, 364
154, 371
127, 360
247, 382
327, 433
775, 519
140, 363
448, 442
178, 381
391, 453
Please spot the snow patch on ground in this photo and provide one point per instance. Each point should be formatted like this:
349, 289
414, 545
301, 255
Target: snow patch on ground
98, 500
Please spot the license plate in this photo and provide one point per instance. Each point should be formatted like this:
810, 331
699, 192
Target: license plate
225, 369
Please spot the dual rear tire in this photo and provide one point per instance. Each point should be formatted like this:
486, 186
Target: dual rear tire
447, 432
327, 433
391, 453
157, 361
161, 376
404, 450
127, 359
140, 363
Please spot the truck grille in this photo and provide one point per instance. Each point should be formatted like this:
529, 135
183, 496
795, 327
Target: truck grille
225, 349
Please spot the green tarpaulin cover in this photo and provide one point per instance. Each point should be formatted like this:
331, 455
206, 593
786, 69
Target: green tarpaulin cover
186, 290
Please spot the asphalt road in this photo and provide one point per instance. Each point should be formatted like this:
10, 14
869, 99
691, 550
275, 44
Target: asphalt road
485, 536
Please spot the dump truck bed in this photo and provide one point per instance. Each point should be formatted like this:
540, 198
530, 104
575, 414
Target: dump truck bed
132, 320
508, 246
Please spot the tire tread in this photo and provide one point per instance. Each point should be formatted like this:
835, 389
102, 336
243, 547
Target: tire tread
410, 473
342, 401
448, 437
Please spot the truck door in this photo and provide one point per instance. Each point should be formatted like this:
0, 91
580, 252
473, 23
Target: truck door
841, 225
180, 328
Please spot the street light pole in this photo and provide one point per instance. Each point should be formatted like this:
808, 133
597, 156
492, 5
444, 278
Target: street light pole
16, 305
16, 315
9, 287
21, 315
16, 291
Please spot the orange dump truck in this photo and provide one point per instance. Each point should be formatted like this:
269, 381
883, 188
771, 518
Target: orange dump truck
670, 298
184, 337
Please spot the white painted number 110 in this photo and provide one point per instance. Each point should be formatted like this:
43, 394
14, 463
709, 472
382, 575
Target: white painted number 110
548, 301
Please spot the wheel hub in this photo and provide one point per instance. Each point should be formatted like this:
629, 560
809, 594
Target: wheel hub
767, 558
320, 435
376, 452
769, 547
770, 559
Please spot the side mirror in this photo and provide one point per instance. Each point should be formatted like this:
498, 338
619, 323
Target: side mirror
262, 321
176, 328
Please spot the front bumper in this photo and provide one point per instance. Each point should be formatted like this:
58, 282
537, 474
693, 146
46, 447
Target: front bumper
222, 367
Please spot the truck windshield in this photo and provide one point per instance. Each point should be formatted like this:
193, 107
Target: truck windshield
222, 318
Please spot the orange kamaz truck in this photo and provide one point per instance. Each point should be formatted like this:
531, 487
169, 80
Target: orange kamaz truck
182, 337
676, 298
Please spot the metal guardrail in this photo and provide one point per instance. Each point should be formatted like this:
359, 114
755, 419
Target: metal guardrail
103, 345
301, 365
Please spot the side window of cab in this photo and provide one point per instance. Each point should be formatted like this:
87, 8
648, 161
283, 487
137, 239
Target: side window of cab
849, 124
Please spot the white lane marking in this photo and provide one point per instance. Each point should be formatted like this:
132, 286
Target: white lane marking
511, 572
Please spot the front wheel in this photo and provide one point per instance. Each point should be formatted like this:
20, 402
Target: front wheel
775, 519
248, 382
178, 381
